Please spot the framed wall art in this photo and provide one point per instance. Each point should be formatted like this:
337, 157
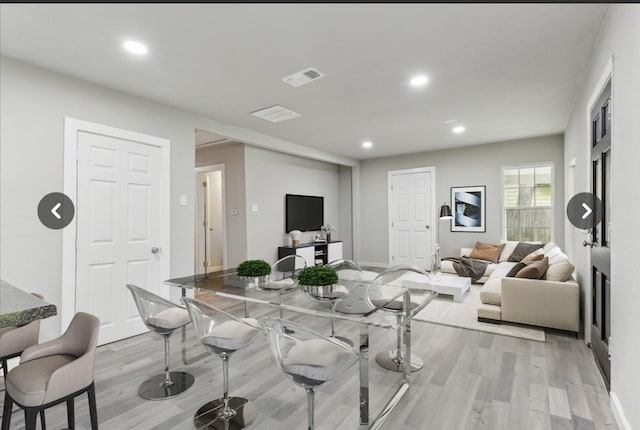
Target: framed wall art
468, 205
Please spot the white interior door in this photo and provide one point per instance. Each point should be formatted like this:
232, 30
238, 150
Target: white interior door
411, 205
120, 221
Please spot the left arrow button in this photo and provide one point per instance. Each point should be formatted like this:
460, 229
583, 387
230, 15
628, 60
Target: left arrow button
56, 211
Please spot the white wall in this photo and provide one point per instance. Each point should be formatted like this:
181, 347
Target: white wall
619, 37
269, 176
474, 165
33, 105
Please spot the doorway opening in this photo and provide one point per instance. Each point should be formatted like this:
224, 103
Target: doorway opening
210, 232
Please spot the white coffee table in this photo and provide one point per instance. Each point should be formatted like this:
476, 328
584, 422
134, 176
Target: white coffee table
451, 285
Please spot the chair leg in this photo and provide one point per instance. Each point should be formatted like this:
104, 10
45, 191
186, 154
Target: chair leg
71, 418
4, 371
6, 411
310, 408
91, 393
43, 423
30, 415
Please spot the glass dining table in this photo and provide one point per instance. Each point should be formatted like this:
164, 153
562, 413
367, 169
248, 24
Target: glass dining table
228, 285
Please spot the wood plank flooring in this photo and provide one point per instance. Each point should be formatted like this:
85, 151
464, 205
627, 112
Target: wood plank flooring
471, 380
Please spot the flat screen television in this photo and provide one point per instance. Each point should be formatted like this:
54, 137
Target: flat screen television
304, 213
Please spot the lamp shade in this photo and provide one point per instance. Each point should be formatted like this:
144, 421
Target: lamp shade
445, 211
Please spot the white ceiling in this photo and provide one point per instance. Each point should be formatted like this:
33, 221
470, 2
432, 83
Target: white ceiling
503, 70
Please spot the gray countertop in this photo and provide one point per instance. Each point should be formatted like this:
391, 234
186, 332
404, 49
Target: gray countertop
18, 307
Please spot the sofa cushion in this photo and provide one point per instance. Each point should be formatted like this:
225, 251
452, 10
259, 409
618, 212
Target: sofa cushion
491, 312
515, 269
491, 292
560, 272
501, 269
486, 251
534, 270
509, 246
522, 250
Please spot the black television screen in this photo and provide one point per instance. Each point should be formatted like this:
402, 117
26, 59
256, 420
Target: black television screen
304, 213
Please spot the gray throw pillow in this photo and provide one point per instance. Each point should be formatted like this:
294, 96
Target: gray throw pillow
522, 250
515, 269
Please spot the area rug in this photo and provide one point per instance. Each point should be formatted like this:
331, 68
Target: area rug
443, 310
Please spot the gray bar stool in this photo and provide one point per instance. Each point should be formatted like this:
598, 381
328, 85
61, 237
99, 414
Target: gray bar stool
222, 334
14, 340
55, 372
163, 317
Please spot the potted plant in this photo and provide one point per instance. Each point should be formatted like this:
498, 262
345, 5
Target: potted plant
254, 272
328, 229
318, 281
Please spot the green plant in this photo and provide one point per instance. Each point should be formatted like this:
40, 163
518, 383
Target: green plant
317, 276
254, 268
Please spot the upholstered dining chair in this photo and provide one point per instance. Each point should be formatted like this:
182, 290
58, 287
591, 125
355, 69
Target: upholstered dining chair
54, 372
14, 340
222, 334
162, 317
378, 296
306, 357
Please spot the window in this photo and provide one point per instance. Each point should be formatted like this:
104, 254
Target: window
527, 202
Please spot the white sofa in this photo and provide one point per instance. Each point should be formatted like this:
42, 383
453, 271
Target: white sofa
541, 302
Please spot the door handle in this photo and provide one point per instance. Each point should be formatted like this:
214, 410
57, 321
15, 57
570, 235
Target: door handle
588, 243
427, 226
155, 250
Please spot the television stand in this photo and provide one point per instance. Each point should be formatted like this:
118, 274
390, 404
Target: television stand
314, 253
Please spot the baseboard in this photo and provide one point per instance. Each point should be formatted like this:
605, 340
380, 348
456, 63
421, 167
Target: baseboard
372, 264
618, 413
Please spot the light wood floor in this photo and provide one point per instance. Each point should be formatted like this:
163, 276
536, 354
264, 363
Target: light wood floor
471, 380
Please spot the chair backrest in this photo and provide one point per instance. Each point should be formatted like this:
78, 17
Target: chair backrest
81, 337
307, 357
149, 305
347, 270
219, 331
287, 267
377, 293
16, 339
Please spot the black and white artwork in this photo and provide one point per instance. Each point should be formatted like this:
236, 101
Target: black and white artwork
468, 205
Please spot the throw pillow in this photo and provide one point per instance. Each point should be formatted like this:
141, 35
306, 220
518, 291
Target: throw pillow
523, 249
515, 269
486, 251
534, 256
535, 270
509, 246
554, 253
560, 272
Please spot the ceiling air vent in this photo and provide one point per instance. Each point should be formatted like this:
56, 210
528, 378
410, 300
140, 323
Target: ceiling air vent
303, 77
276, 113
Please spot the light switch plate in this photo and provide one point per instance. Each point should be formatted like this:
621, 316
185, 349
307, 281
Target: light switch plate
254, 207
183, 200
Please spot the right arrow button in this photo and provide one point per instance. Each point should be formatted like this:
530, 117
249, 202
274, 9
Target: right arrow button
584, 210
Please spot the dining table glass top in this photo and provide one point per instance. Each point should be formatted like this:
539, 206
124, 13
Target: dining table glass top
406, 301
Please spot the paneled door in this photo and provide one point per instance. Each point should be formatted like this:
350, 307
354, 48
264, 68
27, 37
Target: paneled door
119, 239
410, 215
600, 234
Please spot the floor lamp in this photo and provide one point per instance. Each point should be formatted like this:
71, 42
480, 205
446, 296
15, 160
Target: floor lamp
445, 213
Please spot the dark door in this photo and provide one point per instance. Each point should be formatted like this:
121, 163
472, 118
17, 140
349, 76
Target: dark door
600, 241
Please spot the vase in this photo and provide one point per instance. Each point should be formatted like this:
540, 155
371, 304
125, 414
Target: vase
328, 237
255, 281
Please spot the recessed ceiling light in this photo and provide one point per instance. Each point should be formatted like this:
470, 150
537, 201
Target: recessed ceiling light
367, 144
458, 129
418, 81
134, 47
